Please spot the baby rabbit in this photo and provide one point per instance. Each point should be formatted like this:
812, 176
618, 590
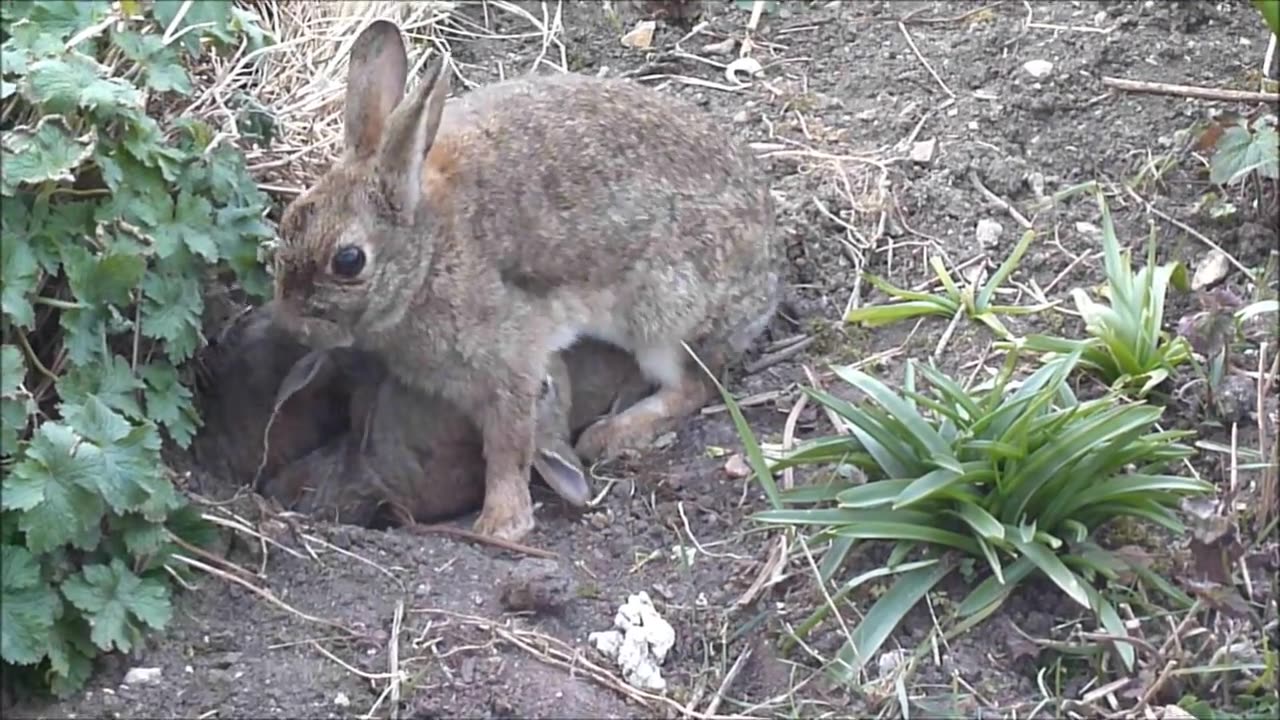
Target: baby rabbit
465, 244
400, 453
240, 372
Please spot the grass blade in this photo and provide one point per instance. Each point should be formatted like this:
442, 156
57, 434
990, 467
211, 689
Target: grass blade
900, 530
884, 616
1006, 269
898, 408
1052, 567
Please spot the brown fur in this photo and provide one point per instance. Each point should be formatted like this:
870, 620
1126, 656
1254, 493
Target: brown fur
556, 207
339, 445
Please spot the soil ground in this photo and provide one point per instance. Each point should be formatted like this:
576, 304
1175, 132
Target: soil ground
844, 95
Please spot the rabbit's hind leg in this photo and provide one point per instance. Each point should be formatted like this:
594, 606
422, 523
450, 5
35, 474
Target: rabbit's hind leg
682, 391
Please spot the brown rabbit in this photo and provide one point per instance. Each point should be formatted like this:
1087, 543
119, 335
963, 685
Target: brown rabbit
241, 371
466, 244
399, 452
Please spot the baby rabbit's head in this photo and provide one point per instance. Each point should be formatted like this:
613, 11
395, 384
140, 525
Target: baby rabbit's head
356, 247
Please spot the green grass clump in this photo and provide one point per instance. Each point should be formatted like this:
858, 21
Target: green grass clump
1127, 347
1017, 475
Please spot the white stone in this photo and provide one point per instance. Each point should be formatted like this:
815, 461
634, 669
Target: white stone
922, 152
142, 676
1038, 68
988, 232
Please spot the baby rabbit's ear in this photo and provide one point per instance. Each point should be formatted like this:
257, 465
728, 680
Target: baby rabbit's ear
410, 132
375, 85
558, 470
315, 365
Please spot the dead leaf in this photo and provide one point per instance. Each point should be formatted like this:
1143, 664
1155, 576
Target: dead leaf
641, 36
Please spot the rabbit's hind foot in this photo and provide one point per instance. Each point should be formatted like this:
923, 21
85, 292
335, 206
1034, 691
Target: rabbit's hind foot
637, 426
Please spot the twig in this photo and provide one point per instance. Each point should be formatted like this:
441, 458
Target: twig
998, 201
728, 680
454, 531
1189, 230
773, 358
262, 593
393, 659
1191, 91
906, 34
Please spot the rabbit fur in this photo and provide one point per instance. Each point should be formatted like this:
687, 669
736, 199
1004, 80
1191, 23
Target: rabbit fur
466, 243
340, 444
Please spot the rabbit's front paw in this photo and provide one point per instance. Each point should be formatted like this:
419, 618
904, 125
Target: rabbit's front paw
506, 515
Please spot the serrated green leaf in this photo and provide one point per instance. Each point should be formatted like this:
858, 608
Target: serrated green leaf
55, 487
171, 312
160, 63
98, 278
13, 422
84, 336
213, 15
191, 225
46, 153
13, 370
19, 270
61, 85
112, 381
70, 654
142, 537
187, 523
114, 599
27, 606
169, 403
61, 19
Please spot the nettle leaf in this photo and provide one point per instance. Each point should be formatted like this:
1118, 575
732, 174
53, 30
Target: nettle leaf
144, 200
46, 153
169, 403
159, 62
114, 601
111, 381
171, 312
64, 84
27, 607
54, 487
145, 141
15, 403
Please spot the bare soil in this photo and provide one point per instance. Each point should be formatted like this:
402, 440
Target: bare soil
843, 90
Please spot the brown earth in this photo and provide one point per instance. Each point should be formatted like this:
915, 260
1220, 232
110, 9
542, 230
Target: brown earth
840, 79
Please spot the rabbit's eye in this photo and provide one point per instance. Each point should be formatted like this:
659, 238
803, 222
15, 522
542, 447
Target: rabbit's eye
348, 261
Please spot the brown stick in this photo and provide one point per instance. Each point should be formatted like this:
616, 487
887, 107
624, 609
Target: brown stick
408, 523
1192, 91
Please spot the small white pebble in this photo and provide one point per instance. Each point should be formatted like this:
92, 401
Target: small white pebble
1038, 68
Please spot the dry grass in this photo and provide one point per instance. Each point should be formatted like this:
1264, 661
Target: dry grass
300, 79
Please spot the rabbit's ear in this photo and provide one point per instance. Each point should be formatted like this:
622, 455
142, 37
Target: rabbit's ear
376, 74
558, 470
410, 132
313, 365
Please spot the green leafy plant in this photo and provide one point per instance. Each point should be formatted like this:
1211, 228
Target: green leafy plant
114, 220
1128, 347
1016, 475
976, 303
1245, 148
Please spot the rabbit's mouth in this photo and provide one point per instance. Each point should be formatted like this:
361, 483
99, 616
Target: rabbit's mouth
316, 333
